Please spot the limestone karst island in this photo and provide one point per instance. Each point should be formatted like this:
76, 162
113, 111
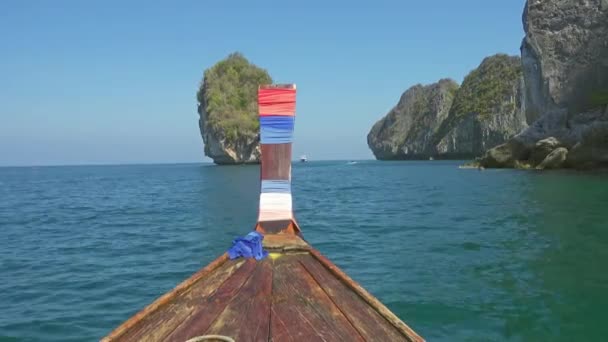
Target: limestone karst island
227, 105
545, 109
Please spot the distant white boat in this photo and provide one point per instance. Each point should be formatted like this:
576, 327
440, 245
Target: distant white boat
351, 162
303, 158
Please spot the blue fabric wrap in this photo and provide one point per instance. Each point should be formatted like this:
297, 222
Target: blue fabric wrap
249, 246
281, 186
276, 129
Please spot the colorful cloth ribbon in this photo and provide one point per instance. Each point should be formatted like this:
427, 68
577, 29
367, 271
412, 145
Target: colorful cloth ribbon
276, 129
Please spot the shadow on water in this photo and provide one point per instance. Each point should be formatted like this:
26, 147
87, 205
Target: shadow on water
567, 292
229, 190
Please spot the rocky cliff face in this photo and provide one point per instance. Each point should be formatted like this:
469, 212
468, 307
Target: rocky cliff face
488, 110
228, 110
564, 53
565, 63
243, 149
444, 121
407, 131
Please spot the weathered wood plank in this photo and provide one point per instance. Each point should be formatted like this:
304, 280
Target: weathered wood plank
164, 299
368, 322
209, 308
284, 242
371, 300
301, 310
160, 323
247, 317
289, 297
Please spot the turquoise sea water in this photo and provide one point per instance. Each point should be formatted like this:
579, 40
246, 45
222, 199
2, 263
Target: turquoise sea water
457, 254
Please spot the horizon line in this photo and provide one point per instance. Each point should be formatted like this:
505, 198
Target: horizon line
297, 161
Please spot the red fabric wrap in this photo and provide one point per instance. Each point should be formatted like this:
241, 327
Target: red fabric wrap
277, 101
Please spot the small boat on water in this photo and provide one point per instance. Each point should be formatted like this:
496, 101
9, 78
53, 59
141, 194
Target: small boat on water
293, 294
303, 158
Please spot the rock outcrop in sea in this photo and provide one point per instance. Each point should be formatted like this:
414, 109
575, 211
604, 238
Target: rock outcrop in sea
550, 111
488, 109
443, 120
408, 130
565, 64
227, 106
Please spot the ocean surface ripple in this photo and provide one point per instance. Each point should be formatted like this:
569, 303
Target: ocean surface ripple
457, 254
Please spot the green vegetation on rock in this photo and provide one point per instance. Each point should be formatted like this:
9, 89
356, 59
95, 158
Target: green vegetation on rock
406, 131
485, 92
486, 87
228, 93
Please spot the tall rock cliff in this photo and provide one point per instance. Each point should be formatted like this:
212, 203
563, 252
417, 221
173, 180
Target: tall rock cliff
564, 53
442, 120
407, 131
565, 63
227, 108
487, 111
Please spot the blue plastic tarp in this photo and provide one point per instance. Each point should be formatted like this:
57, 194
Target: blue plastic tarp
248, 246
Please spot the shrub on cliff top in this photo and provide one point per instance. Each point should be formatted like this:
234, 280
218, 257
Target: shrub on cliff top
229, 93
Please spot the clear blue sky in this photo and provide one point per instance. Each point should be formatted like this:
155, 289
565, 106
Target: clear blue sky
109, 82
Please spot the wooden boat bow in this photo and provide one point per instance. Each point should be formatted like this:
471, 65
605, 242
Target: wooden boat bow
294, 294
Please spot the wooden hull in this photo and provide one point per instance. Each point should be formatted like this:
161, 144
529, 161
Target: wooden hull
296, 294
